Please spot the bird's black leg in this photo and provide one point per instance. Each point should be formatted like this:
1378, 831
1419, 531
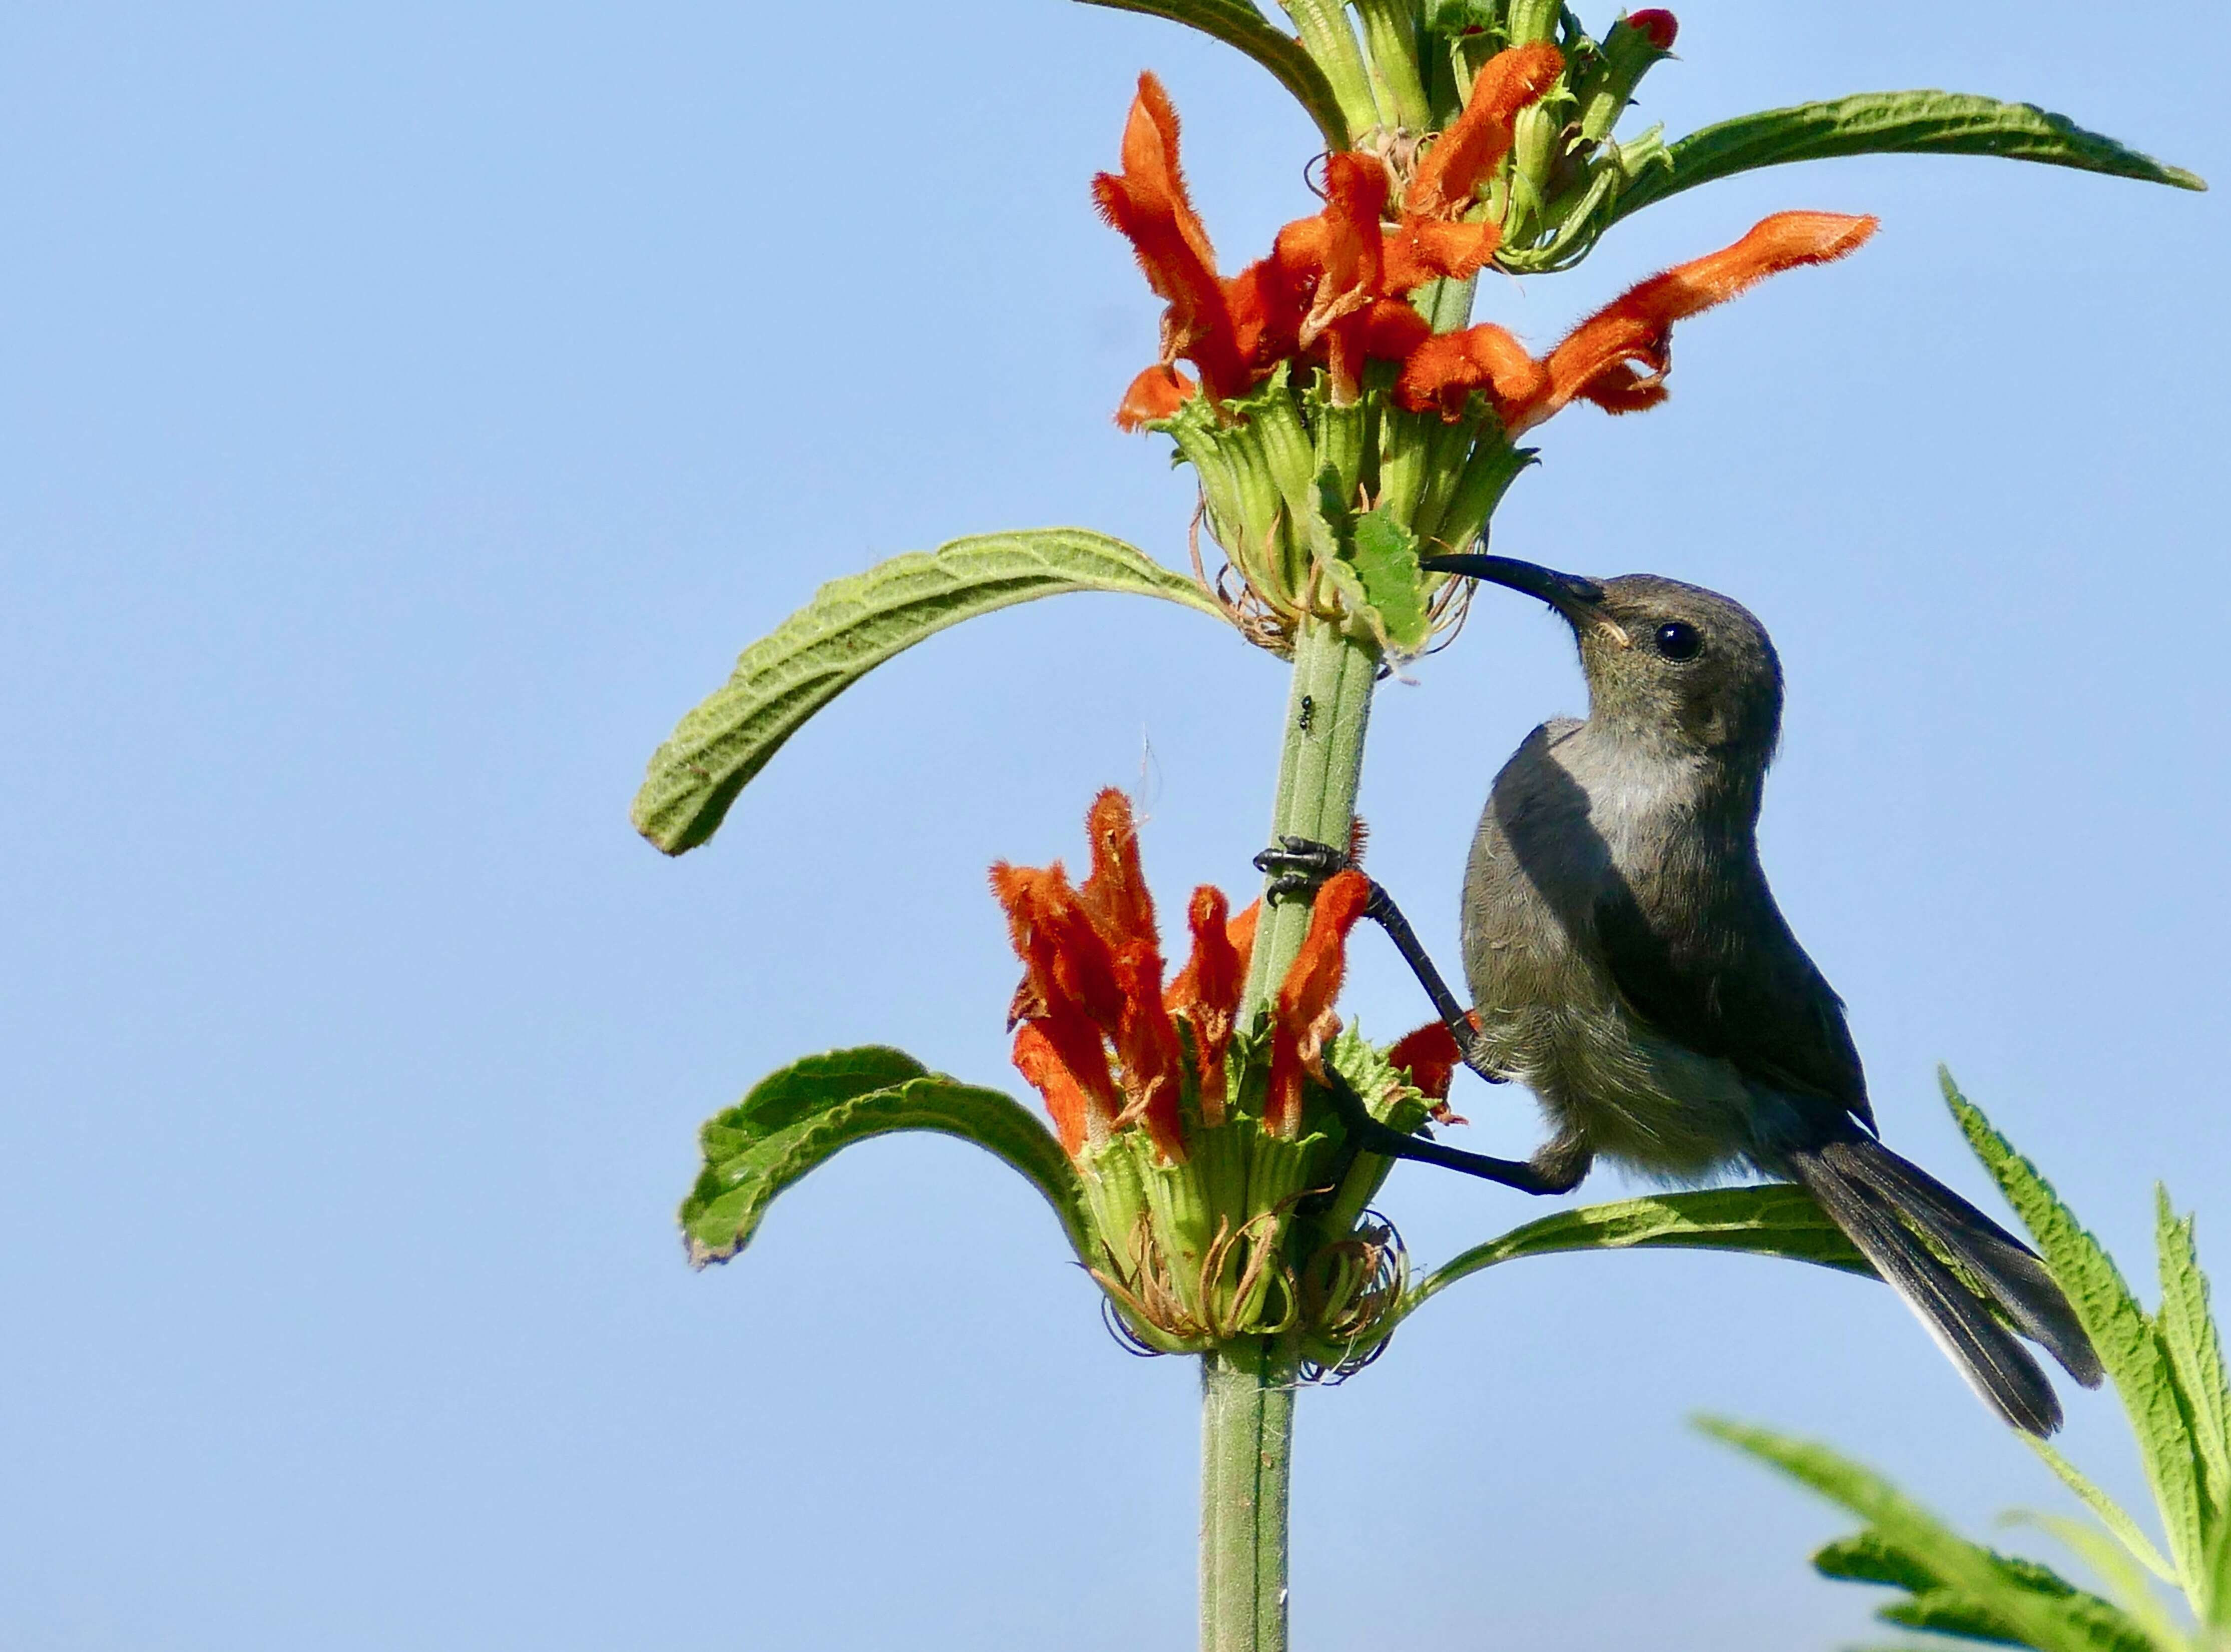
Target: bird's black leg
1297, 866
1366, 1134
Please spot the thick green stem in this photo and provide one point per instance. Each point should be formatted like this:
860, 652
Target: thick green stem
1327, 712
1246, 1450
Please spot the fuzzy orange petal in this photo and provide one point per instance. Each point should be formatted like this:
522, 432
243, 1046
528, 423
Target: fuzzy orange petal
1115, 893
1157, 393
1207, 994
1147, 1044
1147, 201
1302, 1015
1430, 1056
1464, 155
1042, 1067
1635, 327
1068, 960
1391, 330
1355, 199
1423, 249
1266, 303
1442, 372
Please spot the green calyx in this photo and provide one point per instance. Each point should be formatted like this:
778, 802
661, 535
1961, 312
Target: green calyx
1249, 1236
1322, 508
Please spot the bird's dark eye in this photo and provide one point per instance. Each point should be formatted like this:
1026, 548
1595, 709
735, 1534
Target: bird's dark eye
1677, 639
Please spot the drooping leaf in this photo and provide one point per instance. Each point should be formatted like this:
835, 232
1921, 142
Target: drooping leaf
796, 1119
2120, 1330
1879, 123
2111, 1515
1238, 24
1956, 1587
1774, 1220
852, 625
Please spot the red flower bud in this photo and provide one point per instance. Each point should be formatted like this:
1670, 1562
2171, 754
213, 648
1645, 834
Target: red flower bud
1656, 26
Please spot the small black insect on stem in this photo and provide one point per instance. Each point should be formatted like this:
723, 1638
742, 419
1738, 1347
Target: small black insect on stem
1308, 712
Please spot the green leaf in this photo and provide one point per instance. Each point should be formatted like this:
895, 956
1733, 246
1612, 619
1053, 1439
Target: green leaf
796, 1119
2119, 1329
1386, 556
1238, 24
1774, 1220
2187, 1330
1879, 123
2111, 1515
2134, 1594
852, 625
1958, 1587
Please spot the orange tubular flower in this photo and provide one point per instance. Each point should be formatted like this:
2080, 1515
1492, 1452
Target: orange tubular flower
1302, 1021
1333, 290
1479, 137
1098, 1037
1430, 1056
1067, 992
1115, 893
1444, 372
1617, 358
1041, 1064
1205, 995
1148, 202
1598, 359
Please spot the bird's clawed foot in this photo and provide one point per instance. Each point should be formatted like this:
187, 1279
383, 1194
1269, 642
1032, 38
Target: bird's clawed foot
1298, 867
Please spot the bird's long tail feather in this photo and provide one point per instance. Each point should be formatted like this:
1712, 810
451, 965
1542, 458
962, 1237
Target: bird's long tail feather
1894, 1213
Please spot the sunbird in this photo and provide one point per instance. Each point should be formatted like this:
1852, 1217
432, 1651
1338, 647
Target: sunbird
1628, 964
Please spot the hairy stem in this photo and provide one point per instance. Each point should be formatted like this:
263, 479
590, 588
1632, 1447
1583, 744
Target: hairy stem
1246, 1449
1327, 713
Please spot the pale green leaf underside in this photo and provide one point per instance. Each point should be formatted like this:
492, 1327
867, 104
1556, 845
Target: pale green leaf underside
1879, 123
1237, 24
795, 1120
1775, 1220
2111, 1515
1956, 1587
852, 625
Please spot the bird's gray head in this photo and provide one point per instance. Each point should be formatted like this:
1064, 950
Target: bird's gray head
1665, 661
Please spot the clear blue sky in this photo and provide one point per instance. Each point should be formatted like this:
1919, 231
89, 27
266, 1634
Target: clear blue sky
405, 412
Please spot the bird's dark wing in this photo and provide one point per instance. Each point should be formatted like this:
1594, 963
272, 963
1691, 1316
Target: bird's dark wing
1740, 989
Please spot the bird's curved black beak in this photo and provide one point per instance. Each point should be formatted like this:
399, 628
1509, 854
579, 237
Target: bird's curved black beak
1580, 602
1568, 594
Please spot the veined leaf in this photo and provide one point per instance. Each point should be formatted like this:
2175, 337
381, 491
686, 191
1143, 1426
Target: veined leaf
2187, 1328
1880, 123
852, 625
1957, 1587
1775, 1220
2125, 1337
796, 1119
1238, 24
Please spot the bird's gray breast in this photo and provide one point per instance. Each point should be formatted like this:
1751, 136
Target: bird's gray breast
1575, 824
